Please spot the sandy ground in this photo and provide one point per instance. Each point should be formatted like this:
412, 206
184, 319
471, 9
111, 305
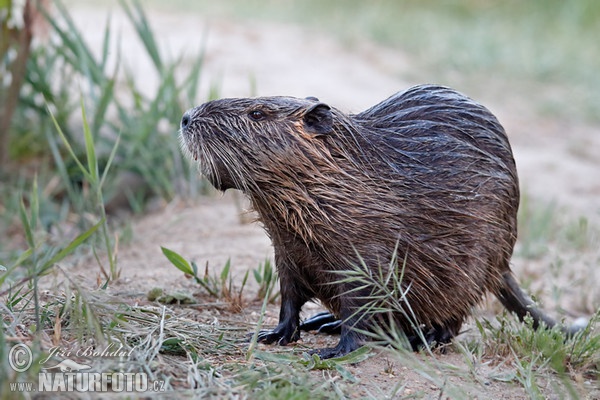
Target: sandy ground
557, 160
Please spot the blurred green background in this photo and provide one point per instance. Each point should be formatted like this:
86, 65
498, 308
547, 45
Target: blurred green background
509, 49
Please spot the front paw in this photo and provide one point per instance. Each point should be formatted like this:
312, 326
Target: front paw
280, 335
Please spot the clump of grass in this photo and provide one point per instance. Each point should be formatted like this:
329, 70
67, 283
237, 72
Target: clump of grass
154, 338
37, 260
533, 355
219, 287
96, 181
231, 295
580, 235
26, 317
148, 151
382, 294
541, 354
280, 381
285, 375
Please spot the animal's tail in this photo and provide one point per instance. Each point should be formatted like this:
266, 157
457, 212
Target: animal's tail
515, 300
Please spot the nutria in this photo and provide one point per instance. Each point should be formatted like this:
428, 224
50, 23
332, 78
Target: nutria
426, 178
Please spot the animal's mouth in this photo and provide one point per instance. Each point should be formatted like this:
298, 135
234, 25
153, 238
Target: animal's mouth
210, 164
199, 155
186, 141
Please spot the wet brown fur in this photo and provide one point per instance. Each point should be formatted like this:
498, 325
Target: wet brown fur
427, 174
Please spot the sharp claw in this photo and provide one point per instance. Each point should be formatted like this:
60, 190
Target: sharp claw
273, 336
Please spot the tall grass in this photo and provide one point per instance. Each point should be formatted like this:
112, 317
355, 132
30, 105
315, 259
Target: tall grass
64, 69
67, 170
96, 181
83, 174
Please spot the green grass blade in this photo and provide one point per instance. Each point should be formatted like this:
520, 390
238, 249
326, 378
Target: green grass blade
105, 44
24, 256
73, 245
178, 261
244, 281
181, 264
26, 225
84, 171
140, 23
62, 169
81, 57
111, 157
89, 147
250, 353
225, 271
35, 203
106, 97
257, 276
279, 358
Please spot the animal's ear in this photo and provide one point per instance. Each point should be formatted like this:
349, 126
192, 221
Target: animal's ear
318, 119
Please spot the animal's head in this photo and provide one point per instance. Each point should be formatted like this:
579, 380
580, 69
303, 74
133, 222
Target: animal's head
241, 143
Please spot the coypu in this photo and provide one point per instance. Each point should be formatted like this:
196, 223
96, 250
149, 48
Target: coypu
426, 177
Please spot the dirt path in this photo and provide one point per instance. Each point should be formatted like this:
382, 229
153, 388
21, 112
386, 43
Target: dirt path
556, 159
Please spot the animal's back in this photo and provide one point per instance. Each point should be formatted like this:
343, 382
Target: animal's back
442, 165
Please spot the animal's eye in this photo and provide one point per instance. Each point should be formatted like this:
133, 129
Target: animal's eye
257, 115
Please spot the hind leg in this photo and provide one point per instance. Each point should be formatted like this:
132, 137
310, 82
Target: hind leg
323, 322
350, 325
349, 341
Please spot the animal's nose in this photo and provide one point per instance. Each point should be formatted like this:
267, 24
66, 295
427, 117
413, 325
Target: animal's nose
185, 120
